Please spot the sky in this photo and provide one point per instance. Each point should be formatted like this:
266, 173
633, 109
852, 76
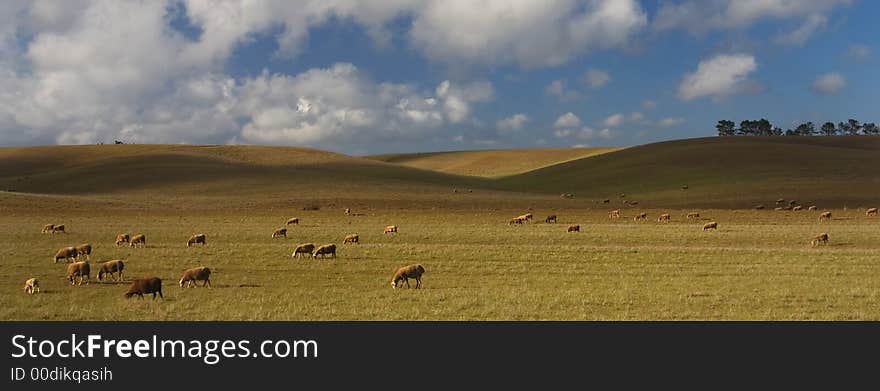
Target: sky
380, 76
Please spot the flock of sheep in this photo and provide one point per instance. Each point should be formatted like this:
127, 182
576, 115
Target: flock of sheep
79, 270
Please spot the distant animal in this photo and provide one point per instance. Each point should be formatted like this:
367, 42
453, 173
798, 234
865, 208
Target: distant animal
759, 207
110, 268
79, 270
871, 212
190, 276
306, 248
48, 228
391, 229
812, 207
664, 218
279, 232
455, 190
780, 201
633, 203
325, 250
797, 208
792, 203
196, 238
528, 216
404, 273
65, 254
606, 201
347, 211
622, 195
516, 220
684, 187
138, 240
574, 228
32, 285
295, 220
144, 286
820, 238
710, 225
353, 238
84, 249
122, 238
58, 229
825, 216
566, 195
550, 219
640, 216
693, 215
778, 208
614, 214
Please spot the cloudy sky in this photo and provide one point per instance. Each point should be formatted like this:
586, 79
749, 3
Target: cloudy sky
373, 76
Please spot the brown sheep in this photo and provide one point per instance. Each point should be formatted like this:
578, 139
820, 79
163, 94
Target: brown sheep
812, 207
190, 276
693, 215
80, 269
797, 208
825, 216
110, 268
293, 221
550, 219
65, 254
324, 250
138, 240
820, 238
391, 229
614, 214
306, 248
48, 228
58, 229
84, 249
122, 238
353, 238
196, 238
32, 285
404, 273
640, 216
144, 286
664, 218
279, 232
710, 225
516, 220
574, 228
871, 212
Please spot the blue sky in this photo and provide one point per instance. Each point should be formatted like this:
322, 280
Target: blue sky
419, 75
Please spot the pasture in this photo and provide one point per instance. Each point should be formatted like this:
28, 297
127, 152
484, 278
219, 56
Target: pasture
758, 265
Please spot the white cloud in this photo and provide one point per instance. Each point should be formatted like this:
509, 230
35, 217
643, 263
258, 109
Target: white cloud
859, 51
596, 78
637, 117
800, 35
669, 122
719, 76
512, 123
558, 89
614, 120
829, 84
567, 120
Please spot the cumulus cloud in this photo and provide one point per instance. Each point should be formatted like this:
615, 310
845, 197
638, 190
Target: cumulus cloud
596, 78
567, 120
669, 122
859, 51
829, 84
800, 35
558, 89
718, 77
513, 123
614, 120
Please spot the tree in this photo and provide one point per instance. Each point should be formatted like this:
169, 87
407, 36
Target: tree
854, 126
789, 132
844, 128
806, 129
829, 129
764, 127
726, 128
870, 129
777, 131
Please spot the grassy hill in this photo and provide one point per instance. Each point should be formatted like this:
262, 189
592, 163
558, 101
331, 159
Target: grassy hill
491, 163
725, 172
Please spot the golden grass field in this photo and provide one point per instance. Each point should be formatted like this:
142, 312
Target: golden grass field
757, 265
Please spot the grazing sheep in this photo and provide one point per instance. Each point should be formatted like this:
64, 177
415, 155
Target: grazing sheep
812, 207
391, 229
780, 201
820, 238
550, 219
825, 216
144, 286
614, 214
347, 211
566, 195
640, 216
58, 229
32, 285
516, 220
797, 208
606, 201
664, 218
759, 207
65, 254
122, 238
792, 203
622, 195
693, 215
574, 228
306, 248
190, 276
48, 228
324, 250
279, 232
404, 273
80, 269
84, 249
353, 238
871, 212
684, 187
110, 268
295, 220
710, 225
138, 240
527, 217
196, 238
